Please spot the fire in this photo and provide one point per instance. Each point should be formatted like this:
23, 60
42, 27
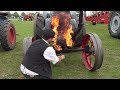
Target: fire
67, 36
55, 23
63, 28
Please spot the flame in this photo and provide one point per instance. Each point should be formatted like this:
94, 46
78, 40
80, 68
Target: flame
65, 29
55, 23
67, 36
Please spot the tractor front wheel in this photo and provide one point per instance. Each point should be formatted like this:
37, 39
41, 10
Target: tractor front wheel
93, 52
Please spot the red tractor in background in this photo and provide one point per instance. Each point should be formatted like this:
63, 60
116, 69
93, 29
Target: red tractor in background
7, 32
99, 17
28, 17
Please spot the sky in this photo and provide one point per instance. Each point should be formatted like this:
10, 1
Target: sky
19, 12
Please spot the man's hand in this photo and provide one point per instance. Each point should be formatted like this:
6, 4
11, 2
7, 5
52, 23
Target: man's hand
61, 57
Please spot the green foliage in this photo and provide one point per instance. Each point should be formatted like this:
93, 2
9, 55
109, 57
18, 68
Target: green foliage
9, 14
15, 14
23, 14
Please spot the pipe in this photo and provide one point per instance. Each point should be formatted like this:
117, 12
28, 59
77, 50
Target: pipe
70, 50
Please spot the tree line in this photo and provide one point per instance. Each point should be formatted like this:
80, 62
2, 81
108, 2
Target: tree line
16, 15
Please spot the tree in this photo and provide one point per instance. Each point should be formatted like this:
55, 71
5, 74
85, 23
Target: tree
23, 14
16, 15
9, 14
33, 14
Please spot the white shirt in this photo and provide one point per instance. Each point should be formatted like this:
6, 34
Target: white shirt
48, 54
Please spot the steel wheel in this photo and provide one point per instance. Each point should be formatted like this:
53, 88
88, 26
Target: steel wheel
93, 52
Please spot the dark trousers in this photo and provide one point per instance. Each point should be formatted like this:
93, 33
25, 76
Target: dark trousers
36, 77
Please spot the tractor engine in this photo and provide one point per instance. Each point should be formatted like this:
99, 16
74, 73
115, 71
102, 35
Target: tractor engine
60, 24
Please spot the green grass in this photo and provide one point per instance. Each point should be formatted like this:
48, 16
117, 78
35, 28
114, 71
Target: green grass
72, 66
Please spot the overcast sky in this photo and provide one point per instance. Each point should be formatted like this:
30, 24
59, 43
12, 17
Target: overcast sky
19, 12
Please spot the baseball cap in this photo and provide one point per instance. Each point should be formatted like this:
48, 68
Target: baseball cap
48, 33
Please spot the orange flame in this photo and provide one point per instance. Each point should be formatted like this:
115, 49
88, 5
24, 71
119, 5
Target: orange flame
68, 37
55, 23
66, 33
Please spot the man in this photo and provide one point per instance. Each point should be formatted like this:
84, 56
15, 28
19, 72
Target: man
36, 62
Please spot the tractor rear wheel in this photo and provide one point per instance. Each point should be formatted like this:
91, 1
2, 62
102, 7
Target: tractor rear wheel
7, 35
93, 52
38, 26
114, 24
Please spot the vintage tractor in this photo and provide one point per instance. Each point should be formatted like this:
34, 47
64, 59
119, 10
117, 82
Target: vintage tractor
114, 24
70, 36
7, 32
28, 17
100, 17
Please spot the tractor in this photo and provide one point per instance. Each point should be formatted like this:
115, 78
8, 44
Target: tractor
28, 17
70, 36
100, 17
114, 24
7, 32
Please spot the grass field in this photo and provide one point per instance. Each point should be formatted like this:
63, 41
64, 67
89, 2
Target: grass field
72, 66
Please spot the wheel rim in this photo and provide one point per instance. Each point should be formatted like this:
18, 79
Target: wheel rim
88, 58
11, 35
93, 52
115, 23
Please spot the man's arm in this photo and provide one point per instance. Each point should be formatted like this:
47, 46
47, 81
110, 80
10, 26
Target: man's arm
51, 56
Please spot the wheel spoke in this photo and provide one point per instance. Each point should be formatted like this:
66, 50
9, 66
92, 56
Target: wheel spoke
89, 61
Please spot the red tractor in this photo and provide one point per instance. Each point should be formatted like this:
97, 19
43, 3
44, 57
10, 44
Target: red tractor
28, 17
99, 17
7, 32
70, 36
